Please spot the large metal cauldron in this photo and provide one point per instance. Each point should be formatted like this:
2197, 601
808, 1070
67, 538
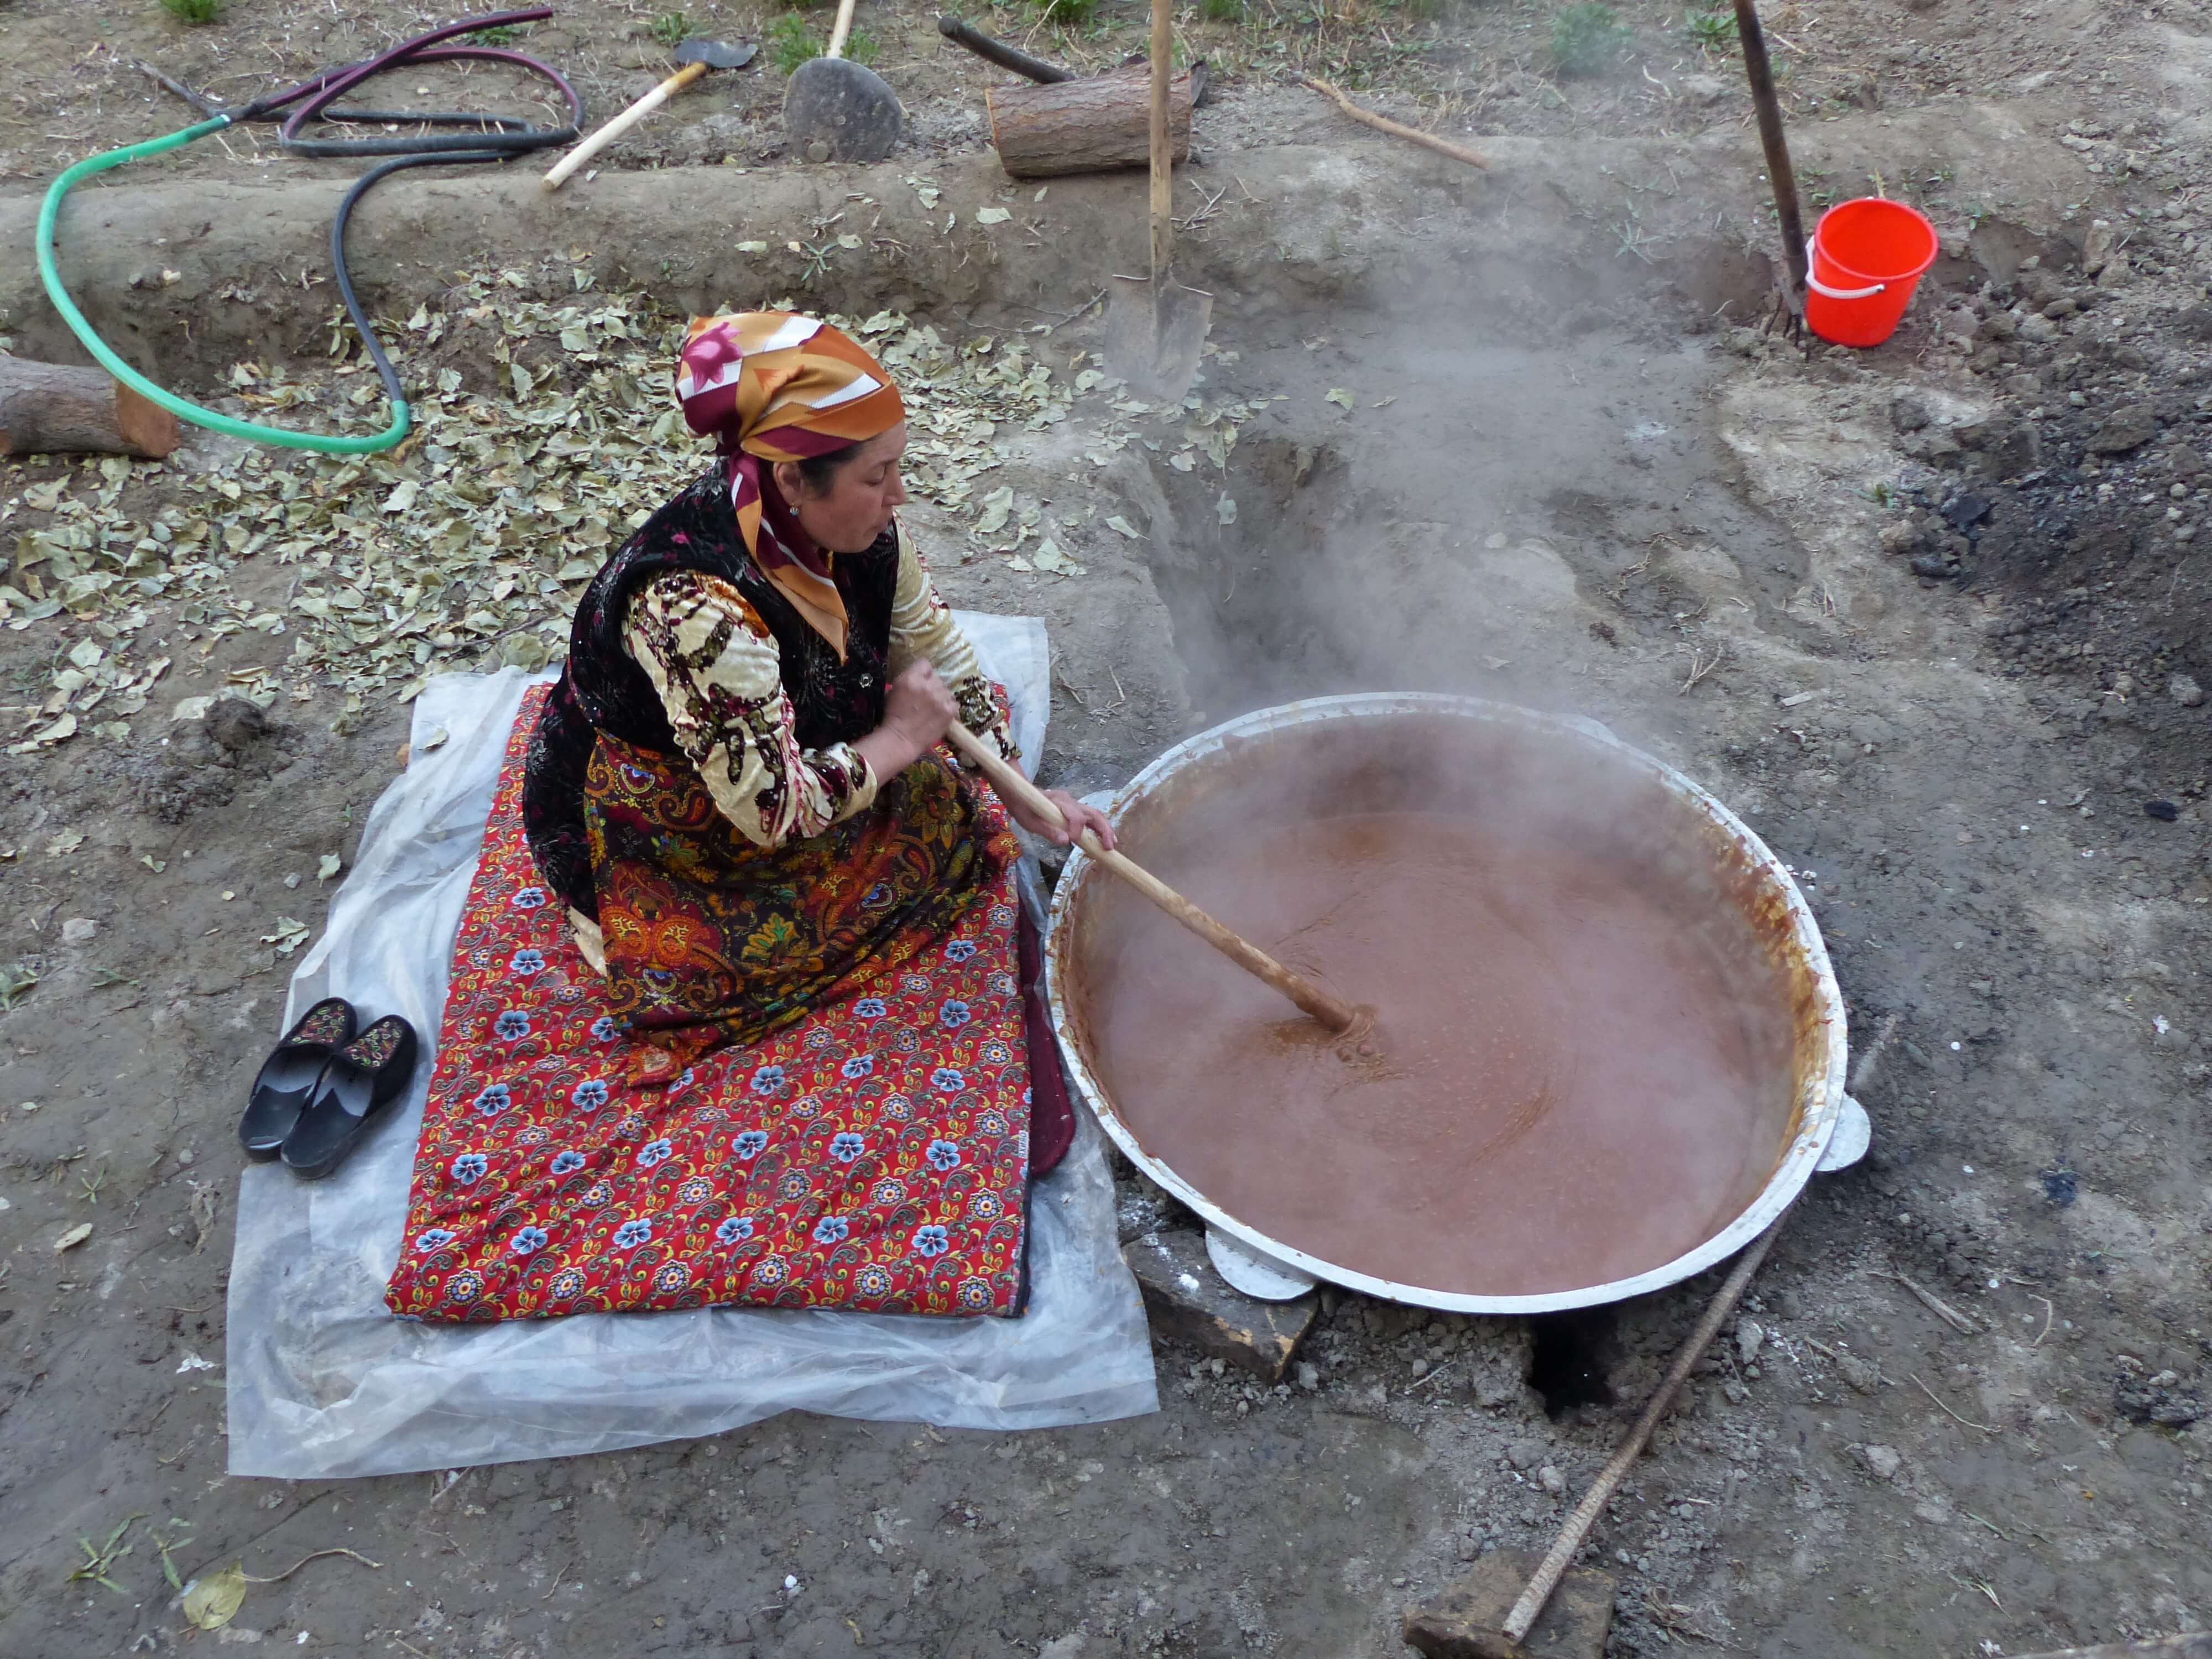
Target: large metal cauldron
1310, 740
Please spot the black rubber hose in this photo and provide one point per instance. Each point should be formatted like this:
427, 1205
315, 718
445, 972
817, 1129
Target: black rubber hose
361, 187
321, 92
499, 137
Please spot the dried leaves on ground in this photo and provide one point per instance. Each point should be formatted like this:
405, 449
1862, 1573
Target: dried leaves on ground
545, 432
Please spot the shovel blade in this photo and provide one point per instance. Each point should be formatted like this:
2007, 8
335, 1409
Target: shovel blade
1154, 333
848, 110
717, 54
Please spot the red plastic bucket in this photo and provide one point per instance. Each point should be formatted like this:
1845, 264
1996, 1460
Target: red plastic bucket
1866, 258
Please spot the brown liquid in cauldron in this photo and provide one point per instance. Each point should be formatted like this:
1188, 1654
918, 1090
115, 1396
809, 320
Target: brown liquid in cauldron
1573, 1085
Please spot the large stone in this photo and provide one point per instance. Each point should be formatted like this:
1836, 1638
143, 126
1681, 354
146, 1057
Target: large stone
235, 724
1189, 1303
2125, 428
2016, 448
1467, 1620
2097, 246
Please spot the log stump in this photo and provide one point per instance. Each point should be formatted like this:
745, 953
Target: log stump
49, 407
1084, 126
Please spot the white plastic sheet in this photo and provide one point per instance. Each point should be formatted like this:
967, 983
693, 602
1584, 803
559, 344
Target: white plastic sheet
325, 1383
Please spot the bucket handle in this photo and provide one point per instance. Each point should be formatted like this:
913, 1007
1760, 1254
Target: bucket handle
1819, 287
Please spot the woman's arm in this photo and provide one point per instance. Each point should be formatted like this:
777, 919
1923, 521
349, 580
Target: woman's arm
922, 630
720, 681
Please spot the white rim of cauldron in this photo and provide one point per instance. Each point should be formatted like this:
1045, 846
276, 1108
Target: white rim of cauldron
1819, 1110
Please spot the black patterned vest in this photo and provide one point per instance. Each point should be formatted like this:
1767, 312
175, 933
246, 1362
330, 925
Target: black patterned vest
603, 689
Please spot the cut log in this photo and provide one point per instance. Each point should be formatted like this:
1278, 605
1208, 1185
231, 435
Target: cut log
1084, 126
47, 408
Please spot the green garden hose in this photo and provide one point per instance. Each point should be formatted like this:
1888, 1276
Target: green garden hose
489, 139
49, 274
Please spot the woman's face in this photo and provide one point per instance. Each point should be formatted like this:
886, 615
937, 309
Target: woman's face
863, 493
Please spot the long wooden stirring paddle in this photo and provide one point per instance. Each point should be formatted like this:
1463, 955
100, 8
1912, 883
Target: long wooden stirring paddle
1013, 787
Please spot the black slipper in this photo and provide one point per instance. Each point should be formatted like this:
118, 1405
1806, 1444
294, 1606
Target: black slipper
288, 1077
361, 1080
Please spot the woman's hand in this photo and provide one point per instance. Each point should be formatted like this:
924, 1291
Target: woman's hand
918, 708
1079, 817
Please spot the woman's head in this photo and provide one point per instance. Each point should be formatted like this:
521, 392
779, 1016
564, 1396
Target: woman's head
844, 500
781, 386
811, 429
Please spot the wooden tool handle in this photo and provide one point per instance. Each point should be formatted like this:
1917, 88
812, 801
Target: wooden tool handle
1013, 785
1780, 173
839, 30
1555, 1565
622, 124
1163, 151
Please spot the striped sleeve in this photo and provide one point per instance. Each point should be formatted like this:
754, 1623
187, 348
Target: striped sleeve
922, 626
719, 674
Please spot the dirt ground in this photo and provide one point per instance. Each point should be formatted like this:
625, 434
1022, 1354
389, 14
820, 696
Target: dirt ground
1936, 619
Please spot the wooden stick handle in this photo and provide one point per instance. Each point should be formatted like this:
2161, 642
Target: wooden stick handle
1779, 172
1555, 1565
1013, 785
1163, 150
1399, 129
839, 30
630, 117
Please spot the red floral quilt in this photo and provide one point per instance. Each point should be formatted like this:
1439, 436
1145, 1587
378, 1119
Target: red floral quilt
873, 1156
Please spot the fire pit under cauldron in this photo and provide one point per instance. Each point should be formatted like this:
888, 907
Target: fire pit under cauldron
1609, 1049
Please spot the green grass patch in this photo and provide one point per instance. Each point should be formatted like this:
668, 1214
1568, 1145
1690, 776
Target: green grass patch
1222, 11
195, 11
791, 40
1081, 14
1587, 38
672, 28
1711, 29
498, 34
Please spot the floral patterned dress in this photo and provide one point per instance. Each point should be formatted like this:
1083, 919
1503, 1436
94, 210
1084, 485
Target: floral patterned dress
693, 794
800, 1073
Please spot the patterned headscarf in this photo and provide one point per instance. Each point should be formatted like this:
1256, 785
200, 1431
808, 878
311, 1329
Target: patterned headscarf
769, 386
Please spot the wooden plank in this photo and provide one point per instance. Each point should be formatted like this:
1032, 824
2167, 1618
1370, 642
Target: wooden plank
1189, 1303
1466, 1619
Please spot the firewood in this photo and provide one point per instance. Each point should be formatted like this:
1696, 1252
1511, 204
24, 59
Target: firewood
1084, 127
47, 408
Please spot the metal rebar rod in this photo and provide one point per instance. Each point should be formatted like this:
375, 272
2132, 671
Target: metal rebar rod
1577, 1528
